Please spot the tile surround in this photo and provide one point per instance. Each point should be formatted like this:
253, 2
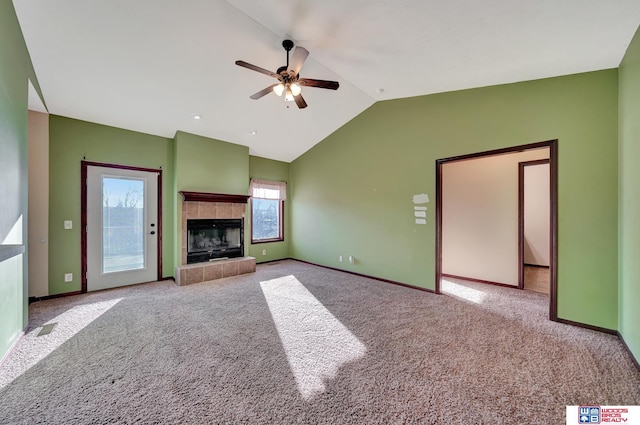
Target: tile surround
230, 269
204, 272
213, 272
197, 210
187, 274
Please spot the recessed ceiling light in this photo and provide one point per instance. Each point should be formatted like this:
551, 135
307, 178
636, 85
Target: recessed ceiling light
196, 116
254, 132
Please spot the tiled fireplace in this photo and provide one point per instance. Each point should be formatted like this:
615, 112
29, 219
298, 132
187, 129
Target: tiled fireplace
199, 205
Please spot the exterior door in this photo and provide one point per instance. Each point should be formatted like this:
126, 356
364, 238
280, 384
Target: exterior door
122, 227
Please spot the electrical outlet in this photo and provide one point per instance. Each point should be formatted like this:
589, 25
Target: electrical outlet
68, 277
68, 224
340, 258
264, 252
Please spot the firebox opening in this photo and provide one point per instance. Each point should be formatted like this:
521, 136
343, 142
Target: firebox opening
210, 239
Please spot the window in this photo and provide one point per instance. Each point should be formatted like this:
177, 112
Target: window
267, 206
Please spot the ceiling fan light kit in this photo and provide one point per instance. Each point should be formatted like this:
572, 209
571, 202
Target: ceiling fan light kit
288, 76
288, 95
278, 89
295, 89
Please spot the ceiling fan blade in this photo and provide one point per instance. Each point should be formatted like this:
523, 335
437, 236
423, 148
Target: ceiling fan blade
299, 56
263, 92
300, 101
257, 68
323, 84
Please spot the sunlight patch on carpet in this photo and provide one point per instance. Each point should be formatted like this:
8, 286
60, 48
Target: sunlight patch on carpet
32, 348
462, 292
317, 345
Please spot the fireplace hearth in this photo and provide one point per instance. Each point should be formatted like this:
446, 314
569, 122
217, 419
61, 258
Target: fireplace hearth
214, 239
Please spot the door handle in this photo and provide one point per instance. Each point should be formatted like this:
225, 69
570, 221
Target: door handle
152, 232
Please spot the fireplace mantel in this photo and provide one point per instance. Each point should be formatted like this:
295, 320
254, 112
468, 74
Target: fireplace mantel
213, 197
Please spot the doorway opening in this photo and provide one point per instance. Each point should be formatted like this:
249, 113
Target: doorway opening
121, 225
516, 243
534, 225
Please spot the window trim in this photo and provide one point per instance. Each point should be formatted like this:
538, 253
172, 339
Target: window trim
280, 237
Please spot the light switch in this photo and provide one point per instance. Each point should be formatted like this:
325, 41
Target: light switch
68, 224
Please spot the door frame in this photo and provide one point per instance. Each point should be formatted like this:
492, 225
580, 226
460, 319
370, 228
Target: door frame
553, 165
83, 213
521, 167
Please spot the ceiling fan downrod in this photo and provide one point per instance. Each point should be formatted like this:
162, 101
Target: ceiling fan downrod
288, 45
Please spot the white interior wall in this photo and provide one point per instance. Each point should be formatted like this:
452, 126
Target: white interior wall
480, 216
38, 245
536, 214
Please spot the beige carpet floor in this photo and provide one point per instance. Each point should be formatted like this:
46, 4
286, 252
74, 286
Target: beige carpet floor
295, 343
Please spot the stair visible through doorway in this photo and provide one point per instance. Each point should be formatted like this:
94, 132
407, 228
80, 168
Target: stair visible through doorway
536, 279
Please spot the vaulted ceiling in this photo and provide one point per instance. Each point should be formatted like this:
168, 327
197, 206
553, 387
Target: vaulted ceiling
151, 65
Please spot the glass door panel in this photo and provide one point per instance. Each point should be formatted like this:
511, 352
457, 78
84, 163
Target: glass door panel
123, 226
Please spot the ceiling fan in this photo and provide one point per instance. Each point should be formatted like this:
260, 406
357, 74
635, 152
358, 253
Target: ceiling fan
288, 77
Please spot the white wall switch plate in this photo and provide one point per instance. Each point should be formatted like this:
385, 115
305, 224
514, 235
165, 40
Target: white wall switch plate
340, 258
264, 252
68, 224
68, 277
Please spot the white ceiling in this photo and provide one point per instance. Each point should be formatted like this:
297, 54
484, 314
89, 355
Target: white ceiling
149, 65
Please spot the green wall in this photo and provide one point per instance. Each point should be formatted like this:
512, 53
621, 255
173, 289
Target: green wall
210, 165
15, 72
71, 141
629, 193
268, 169
207, 165
352, 193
